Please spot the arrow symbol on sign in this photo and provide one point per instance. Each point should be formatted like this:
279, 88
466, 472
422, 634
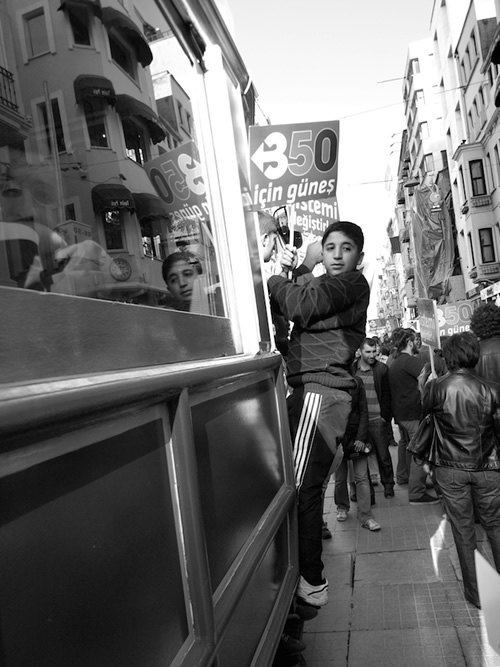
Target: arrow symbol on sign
271, 152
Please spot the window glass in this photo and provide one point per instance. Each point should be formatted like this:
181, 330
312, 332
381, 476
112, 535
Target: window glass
35, 30
79, 20
486, 245
133, 224
477, 178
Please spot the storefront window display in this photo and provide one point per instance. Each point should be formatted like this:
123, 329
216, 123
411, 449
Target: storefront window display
102, 180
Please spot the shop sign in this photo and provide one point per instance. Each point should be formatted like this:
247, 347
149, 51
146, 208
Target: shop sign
428, 320
293, 163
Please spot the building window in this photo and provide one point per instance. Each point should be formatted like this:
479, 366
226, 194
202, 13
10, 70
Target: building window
486, 245
424, 129
35, 33
56, 113
444, 159
152, 245
473, 45
80, 25
414, 66
462, 182
135, 141
69, 212
428, 162
122, 55
497, 163
113, 230
96, 125
490, 170
419, 97
471, 248
477, 178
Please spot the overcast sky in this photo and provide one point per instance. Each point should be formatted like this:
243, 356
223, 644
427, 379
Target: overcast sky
331, 60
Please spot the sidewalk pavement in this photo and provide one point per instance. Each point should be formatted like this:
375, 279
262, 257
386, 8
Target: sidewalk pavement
396, 596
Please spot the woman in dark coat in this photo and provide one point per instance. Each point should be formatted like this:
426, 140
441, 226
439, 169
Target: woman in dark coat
465, 453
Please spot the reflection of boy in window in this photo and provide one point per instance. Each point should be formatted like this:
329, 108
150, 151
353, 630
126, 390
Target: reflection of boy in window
113, 230
180, 271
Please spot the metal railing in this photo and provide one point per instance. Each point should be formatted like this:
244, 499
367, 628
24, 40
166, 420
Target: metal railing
7, 90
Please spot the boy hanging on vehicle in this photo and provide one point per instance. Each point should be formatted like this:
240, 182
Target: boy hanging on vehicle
329, 320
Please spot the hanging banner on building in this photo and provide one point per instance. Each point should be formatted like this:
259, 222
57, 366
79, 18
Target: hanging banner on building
433, 238
429, 323
178, 181
293, 163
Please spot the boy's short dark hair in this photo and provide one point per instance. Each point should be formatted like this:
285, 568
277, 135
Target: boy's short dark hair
182, 256
461, 350
350, 229
369, 342
267, 223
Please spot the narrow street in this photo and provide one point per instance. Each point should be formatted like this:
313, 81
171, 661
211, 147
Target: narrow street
396, 595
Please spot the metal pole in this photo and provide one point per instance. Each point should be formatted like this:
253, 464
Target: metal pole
55, 155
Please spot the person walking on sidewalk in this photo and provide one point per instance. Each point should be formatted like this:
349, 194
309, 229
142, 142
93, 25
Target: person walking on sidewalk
375, 377
355, 448
407, 410
329, 320
485, 323
465, 454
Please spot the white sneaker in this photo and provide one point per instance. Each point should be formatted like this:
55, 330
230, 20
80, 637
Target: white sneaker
317, 596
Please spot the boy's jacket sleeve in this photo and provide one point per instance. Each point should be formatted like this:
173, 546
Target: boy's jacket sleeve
318, 299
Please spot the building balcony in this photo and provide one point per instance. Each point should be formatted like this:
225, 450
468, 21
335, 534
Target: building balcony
7, 90
482, 200
475, 202
490, 271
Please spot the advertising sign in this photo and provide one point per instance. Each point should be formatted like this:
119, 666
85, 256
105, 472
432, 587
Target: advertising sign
428, 318
293, 163
177, 178
454, 317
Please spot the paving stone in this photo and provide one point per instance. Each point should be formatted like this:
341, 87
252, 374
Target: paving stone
396, 595
406, 648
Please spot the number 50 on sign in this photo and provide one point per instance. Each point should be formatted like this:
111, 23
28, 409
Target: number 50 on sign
291, 163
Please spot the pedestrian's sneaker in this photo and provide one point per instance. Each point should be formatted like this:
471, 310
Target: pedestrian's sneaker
426, 499
341, 515
317, 596
389, 491
325, 532
371, 524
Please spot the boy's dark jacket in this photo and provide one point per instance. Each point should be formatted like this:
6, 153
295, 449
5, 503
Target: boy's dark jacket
382, 387
329, 317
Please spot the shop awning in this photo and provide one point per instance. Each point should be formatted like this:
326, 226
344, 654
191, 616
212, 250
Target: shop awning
112, 18
128, 106
90, 88
93, 5
149, 206
109, 196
